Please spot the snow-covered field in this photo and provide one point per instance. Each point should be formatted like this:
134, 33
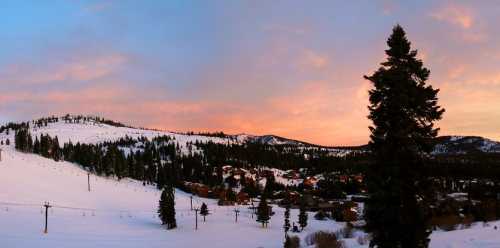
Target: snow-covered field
114, 214
123, 213
91, 132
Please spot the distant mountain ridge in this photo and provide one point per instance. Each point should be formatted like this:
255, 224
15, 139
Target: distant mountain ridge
465, 144
109, 129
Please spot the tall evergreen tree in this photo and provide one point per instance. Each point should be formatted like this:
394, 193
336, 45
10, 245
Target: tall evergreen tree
286, 225
302, 213
263, 215
166, 210
403, 109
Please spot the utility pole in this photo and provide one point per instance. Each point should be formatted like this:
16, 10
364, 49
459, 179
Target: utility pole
191, 197
88, 180
47, 206
236, 212
251, 199
196, 218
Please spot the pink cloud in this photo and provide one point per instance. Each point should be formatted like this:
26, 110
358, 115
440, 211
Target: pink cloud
312, 59
455, 14
76, 69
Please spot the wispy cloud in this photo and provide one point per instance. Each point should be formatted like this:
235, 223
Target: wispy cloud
455, 14
76, 69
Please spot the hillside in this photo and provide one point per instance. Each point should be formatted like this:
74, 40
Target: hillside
114, 213
465, 144
93, 131
123, 214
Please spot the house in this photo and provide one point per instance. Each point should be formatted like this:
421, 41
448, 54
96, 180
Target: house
291, 174
343, 178
202, 190
349, 214
310, 181
358, 178
249, 180
197, 188
227, 168
242, 198
267, 173
239, 172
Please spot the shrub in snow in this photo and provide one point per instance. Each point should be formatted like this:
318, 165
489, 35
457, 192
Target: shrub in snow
324, 239
346, 232
320, 215
363, 240
292, 242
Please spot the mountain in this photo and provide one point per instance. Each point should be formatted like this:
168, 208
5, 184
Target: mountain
93, 130
465, 145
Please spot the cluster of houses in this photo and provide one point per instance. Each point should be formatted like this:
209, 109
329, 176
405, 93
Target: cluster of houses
221, 193
339, 209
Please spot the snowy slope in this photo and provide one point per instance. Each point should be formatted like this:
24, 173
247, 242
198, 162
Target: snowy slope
118, 214
91, 132
123, 214
465, 144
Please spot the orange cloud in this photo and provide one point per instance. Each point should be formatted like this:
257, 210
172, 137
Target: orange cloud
454, 14
78, 69
314, 60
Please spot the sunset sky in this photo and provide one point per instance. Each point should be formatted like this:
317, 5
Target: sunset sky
290, 68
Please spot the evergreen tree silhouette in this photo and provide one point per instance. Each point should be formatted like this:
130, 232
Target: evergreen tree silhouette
403, 109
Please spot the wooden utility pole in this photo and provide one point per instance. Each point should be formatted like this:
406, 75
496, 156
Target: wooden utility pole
47, 206
251, 199
191, 197
196, 218
88, 180
236, 213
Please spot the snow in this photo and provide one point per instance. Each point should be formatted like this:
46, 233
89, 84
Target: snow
115, 213
91, 132
478, 236
123, 214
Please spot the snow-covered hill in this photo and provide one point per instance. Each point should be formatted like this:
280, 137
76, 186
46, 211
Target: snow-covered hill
123, 214
465, 144
90, 131
114, 213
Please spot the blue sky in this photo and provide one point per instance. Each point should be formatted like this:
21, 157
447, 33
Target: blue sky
291, 68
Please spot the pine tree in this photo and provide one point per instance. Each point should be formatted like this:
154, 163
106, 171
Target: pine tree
286, 226
263, 215
204, 211
288, 242
403, 110
166, 210
36, 146
302, 214
270, 185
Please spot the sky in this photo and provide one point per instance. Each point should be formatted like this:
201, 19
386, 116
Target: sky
289, 68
